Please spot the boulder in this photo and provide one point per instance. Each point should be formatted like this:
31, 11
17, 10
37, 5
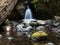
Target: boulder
6, 6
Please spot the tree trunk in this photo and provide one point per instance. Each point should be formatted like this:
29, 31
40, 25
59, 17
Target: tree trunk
6, 6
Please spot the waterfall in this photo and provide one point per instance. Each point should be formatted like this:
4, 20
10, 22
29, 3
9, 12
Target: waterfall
28, 13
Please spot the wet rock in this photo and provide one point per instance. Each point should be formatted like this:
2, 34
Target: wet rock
56, 22
33, 23
10, 38
48, 21
23, 28
57, 17
40, 28
50, 44
41, 22
27, 29
58, 30
19, 27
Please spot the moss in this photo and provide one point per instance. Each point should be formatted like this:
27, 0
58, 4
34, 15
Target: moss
33, 23
7, 21
39, 34
34, 1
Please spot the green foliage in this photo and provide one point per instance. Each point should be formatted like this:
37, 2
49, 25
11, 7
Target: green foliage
39, 4
50, 6
34, 1
7, 21
45, 0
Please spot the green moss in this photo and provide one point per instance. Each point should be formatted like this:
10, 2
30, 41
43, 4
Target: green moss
34, 1
7, 21
33, 23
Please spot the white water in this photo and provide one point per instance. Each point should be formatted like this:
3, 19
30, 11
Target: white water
28, 13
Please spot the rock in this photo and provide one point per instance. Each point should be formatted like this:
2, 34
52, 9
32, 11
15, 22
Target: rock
19, 27
27, 29
0, 36
56, 22
10, 38
58, 30
13, 23
19, 34
21, 7
57, 17
33, 23
8, 28
39, 34
40, 28
48, 21
28, 35
7, 33
6, 7
41, 22
50, 44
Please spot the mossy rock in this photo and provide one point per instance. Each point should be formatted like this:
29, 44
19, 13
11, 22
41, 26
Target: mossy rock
33, 23
39, 34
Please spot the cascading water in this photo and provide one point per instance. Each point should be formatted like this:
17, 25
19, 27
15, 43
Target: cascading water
28, 14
